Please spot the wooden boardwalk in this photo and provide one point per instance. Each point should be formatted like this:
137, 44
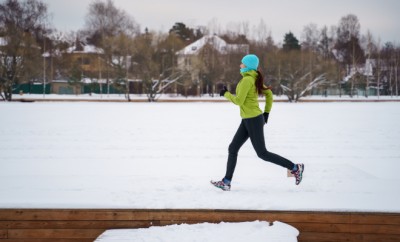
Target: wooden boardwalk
84, 225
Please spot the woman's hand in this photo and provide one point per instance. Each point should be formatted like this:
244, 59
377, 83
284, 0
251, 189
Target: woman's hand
266, 117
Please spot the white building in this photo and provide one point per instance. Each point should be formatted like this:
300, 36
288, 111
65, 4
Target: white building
187, 54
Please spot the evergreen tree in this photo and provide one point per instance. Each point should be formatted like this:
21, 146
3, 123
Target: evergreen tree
291, 42
184, 33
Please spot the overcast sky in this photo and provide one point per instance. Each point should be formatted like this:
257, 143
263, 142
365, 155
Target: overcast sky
381, 17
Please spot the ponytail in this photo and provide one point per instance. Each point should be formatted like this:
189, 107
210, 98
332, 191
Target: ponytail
260, 83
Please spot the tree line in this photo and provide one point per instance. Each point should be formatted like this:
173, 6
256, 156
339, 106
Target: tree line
323, 60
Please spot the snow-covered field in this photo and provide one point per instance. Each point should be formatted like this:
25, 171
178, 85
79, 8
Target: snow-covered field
162, 155
204, 97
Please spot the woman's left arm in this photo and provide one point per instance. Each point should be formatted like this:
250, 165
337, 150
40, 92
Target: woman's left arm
269, 99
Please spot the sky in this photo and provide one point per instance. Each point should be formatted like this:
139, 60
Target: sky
380, 17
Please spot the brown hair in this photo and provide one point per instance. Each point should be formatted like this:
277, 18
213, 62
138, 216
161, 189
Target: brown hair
260, 83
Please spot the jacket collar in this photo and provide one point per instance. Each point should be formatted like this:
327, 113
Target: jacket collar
251, 73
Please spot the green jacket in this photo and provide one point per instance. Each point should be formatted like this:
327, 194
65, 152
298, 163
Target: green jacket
247, 97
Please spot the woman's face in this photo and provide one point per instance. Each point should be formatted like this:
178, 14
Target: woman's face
242, 65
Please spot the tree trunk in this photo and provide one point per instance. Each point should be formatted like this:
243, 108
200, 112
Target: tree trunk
8, 93
390, 81
397, 89
127, 90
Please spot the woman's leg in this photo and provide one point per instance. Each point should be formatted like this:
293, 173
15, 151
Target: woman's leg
255, 128
238, 140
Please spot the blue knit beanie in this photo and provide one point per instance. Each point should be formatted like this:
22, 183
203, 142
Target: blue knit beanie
251, 61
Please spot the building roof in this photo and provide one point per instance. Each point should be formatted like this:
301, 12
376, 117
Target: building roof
218, 43
367, 69
85, 48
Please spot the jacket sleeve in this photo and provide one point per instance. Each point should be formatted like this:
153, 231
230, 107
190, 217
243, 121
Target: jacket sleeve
269, 99
243, 88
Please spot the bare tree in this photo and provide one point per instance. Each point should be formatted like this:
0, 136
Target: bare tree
310, 37
379, 67
165, 54
121, 62
309, 44
348, 49
370, 50
388, 68
295, 78
213, 27
157, 87
105, 19
23, 26
349, 27
261, 32
147, 69
396, 68
105, 23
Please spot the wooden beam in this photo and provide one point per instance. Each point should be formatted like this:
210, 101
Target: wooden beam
54, 233
73, 225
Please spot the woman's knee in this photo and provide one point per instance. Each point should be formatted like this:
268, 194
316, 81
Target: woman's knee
263, 154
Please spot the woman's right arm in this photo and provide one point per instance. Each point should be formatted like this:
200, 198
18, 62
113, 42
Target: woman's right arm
242, 90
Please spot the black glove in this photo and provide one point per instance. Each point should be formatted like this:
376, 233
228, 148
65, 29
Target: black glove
222, 92
266, 117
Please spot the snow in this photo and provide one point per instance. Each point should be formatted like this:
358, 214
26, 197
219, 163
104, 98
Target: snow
172, 97
233, 232
163, 155
3, 41
217, 42
86, 49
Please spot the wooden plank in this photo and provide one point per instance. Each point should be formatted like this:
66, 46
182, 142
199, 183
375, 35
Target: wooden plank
375, 229
324, 237
54, 233
375, 238
309, 217
339, 237
234, 216
375, 218
72, 214
95, 214
199, 215
46, 240
347, 228
322, 228
212, 216
3, 234
71, 224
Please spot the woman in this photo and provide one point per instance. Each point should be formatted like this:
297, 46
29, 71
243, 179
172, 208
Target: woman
253, 120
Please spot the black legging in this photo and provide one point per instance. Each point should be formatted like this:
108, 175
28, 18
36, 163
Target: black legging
253, 128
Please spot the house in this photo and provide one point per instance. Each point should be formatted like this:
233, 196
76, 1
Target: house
85, 59
187, 55
359, 80
199, 59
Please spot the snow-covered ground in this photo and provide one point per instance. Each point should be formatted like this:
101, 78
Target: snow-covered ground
205, 97
162, 155
229, 232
